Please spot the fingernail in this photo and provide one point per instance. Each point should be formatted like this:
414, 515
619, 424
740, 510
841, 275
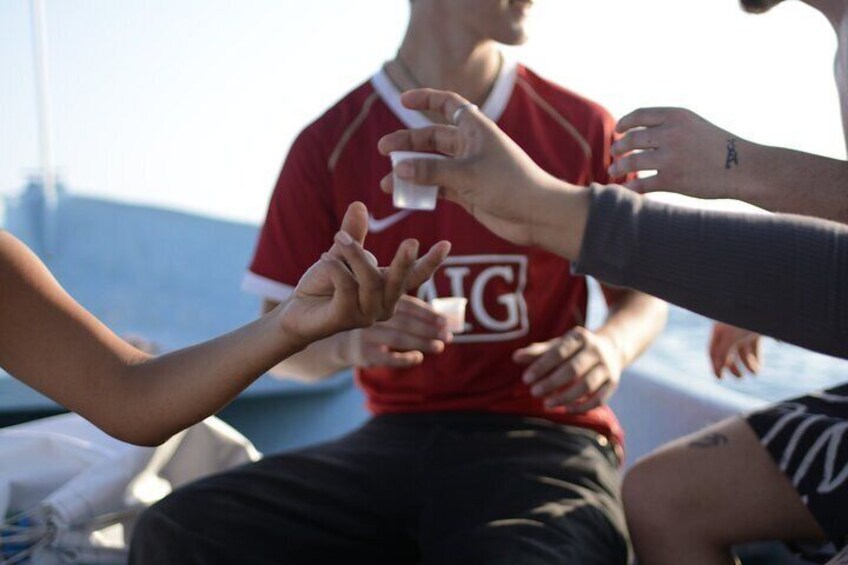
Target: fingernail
536, 391
412, 253
405, 170
344, 238
528, 378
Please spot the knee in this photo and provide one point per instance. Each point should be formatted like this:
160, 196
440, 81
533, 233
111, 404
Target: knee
653, 502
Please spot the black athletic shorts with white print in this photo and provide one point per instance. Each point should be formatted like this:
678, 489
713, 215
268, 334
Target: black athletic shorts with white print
808, 439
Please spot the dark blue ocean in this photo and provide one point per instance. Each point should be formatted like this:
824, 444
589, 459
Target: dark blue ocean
681, 353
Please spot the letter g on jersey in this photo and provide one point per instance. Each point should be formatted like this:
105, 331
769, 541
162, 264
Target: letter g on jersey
494, 286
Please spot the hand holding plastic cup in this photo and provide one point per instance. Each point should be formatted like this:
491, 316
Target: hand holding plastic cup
452, 308
408, 194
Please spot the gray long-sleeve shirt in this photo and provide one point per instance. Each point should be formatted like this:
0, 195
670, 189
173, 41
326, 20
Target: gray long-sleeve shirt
781, 275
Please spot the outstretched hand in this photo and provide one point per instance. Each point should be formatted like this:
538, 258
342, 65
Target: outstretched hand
689, 154
488, 174
346, 289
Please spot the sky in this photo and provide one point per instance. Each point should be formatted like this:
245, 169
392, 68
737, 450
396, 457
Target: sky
192, 104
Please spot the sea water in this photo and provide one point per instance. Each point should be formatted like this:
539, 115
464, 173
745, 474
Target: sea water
680, 352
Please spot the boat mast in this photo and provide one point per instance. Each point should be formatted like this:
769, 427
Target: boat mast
45, 134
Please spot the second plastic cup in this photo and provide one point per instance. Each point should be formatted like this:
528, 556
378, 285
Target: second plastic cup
452, 308
408, 194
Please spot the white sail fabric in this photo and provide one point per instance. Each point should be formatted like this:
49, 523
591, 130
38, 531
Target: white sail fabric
70, 493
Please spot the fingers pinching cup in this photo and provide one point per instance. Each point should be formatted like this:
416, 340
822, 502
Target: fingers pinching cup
452, 308
410, 195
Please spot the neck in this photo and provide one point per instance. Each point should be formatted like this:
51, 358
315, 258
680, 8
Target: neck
439, 55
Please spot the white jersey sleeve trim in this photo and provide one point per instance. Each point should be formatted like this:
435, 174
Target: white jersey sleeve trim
493, 107
265, 287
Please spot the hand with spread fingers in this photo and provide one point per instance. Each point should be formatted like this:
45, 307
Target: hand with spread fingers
346, 289
689, 154
144, 399
579, 371
732, 348
489, 175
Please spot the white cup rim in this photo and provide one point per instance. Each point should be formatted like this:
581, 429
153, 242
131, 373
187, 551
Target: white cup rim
453, 302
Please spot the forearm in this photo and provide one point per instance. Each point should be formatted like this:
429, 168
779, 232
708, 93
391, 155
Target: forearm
153, 399
793, 182
634, 321
780, 275
321, 359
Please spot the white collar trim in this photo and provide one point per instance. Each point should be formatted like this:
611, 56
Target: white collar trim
493, 107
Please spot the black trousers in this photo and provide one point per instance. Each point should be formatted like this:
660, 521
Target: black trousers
439, 489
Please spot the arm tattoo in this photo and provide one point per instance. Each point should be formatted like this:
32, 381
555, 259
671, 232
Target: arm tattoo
732, 156
710, 440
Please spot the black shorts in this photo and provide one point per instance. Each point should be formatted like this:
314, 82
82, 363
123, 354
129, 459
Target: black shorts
405, 489
808, 439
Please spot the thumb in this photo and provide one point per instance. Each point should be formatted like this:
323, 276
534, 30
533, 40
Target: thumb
355, 222
527, 354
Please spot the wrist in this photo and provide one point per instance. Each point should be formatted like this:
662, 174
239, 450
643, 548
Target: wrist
287, 324
343, 350
559, 218
614, 347
741, 167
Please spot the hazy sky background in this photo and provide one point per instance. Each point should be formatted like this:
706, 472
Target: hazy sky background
192, 104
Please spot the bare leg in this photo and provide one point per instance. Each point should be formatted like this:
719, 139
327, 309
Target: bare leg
689, 501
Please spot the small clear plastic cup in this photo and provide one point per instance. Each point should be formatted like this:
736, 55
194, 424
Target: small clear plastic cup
452, 308
409, 195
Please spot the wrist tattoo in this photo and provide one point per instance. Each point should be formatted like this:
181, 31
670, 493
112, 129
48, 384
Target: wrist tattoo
732, 156
710, 440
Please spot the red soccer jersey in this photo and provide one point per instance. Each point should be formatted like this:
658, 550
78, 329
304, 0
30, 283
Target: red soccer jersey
517, 295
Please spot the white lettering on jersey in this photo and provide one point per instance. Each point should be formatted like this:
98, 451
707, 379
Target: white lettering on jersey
477, 277
457, 278
508, 300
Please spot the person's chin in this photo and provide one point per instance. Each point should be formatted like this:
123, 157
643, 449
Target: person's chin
758, 6
520, 7
514, 36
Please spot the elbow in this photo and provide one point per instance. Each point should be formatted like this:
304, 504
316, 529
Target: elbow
146, 440
136, 433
